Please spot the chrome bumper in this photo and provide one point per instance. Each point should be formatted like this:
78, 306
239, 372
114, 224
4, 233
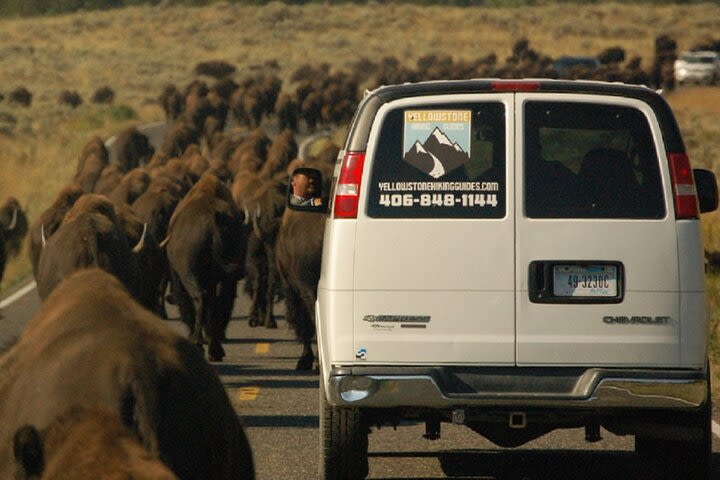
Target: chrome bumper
453, 387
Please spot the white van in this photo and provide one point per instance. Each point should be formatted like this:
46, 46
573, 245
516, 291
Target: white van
515, 256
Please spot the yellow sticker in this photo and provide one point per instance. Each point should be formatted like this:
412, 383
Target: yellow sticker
262, 348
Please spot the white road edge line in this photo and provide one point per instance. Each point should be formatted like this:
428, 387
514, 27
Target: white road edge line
716, 428
19, 294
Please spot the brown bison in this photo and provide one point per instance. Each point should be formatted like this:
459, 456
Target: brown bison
3, 255
262, 197
49, 221
92, 345
172, 101
109, 179
206, 247
298, 252
13, 228
150, 258
85, 443
14, 223
133, 149
131, 186
93, 158
89, 235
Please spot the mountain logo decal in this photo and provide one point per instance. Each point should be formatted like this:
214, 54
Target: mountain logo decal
437, 141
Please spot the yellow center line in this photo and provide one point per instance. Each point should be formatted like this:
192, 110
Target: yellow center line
262, 348
248, 393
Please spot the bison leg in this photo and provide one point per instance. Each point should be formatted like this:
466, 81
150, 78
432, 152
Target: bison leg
305, 362
225, 301
183, 301
196, 335
256, 279
160, 298
298, 317
270, 289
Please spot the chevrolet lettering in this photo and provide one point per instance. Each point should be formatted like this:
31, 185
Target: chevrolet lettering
637, 320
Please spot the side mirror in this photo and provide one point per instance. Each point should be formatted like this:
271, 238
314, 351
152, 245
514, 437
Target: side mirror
707, 190
304, 191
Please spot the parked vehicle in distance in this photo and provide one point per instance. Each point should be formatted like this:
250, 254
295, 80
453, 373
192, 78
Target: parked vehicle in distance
702, 67
515, 256
565, 66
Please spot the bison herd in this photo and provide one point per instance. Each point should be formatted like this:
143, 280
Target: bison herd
134, 229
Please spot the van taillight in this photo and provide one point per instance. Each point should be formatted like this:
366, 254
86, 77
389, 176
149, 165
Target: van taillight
515, 86
683, 183
348, 187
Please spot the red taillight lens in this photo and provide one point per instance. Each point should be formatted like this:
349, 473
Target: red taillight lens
348, 188
683, 183
515, 86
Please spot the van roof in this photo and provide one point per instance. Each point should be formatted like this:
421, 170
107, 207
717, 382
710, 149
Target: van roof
362, 122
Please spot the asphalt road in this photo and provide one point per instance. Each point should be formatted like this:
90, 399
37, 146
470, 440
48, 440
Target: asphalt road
279, 408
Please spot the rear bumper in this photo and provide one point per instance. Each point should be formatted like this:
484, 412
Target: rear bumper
455, 387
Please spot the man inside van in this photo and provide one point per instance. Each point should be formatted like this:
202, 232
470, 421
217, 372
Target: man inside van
304, 189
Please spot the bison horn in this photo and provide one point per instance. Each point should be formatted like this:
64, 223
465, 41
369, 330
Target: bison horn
164, 242
13, 222
257, 211
247, 216
42, 235
138, 248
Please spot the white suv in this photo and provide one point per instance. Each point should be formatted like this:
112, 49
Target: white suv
515, 256
697, 67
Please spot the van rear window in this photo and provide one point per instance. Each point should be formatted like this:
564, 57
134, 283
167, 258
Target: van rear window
440, 161
586, 160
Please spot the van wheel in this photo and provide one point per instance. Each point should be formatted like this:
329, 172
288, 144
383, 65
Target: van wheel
343, 442
695, 456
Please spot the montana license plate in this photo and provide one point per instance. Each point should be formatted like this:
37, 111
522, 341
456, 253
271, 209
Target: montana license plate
585, 280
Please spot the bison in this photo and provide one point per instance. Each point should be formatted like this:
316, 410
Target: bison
14, 223
206, 246
93, 158
89, 235
133, 149
131, 186
49, 221
92, 345
298, 252
85, 442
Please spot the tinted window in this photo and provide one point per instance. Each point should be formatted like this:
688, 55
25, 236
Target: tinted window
587, 160
440, 161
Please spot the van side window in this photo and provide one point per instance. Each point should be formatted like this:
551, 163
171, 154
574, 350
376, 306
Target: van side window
590, 161
440, 161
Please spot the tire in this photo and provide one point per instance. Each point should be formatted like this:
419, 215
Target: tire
343, 442
696, 455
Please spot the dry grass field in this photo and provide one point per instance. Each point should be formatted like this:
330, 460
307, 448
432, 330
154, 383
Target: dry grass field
136, 51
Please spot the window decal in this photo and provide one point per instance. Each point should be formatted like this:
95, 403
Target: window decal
437, 141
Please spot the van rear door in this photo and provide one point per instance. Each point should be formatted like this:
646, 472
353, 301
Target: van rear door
434, 271
596, 247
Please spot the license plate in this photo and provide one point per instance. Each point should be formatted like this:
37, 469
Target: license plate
585, 280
